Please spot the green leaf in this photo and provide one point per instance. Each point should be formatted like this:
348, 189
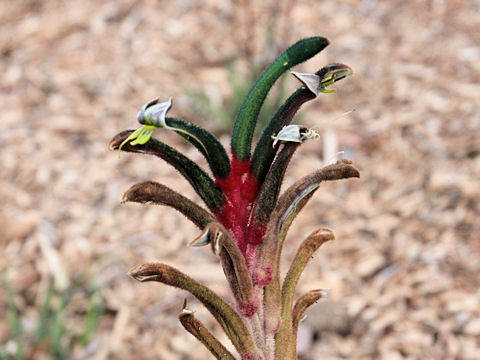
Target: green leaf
247, 116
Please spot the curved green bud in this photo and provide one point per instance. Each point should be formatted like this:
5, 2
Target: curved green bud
153, 115
264, 151
205, 142
198, 178
247, 116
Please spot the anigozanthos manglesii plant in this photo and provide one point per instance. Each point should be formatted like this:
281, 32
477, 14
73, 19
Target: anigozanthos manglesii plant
247, 219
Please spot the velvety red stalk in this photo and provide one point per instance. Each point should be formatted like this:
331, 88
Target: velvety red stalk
240, 190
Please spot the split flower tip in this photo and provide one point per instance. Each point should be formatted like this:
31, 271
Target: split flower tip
323, 234
140, 193
311, 81
153, 113
118, 139
294, 133
185, 311
326, 76
202, 239
151, 116
146, 272
210, 235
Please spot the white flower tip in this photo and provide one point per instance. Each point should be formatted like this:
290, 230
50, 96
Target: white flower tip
295, 133
311, 81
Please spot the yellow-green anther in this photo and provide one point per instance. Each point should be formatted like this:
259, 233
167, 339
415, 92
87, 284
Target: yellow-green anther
144, 135
139, 136
335, 72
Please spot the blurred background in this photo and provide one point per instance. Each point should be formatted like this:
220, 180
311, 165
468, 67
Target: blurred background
403, 271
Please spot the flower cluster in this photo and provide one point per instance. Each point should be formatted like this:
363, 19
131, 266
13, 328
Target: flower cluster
247, 218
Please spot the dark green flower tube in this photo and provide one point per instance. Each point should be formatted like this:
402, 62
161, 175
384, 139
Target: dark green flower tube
205, 142
247, 116
199, 179
264, 151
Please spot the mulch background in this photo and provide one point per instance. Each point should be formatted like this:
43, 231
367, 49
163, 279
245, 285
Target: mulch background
403, 272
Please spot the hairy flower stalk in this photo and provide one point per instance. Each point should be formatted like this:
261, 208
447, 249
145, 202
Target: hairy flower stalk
246, 218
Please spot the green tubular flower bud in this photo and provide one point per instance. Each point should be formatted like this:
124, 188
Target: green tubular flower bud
313, 84
247, 116
292, 136
196, 176
153, 115
205, 142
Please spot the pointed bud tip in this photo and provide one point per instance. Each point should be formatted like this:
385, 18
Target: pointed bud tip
202, 240
118, 139
145, 272
133, 272
326, 234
